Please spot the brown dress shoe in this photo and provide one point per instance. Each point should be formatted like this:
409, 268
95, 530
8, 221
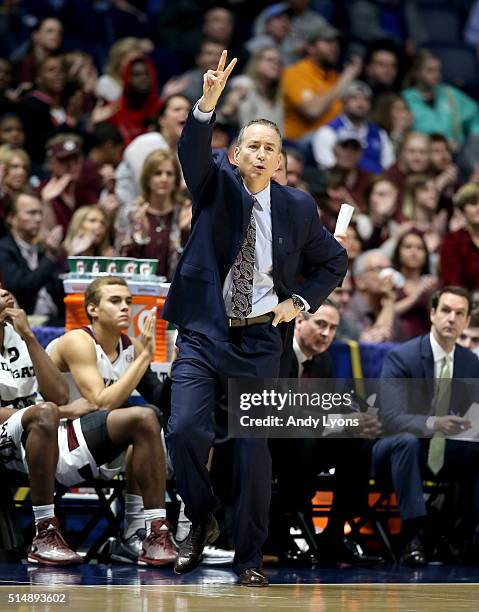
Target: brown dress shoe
253, 577
49, 547
191, 549
158, 547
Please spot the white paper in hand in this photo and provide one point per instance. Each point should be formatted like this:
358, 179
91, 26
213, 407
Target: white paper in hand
344, 217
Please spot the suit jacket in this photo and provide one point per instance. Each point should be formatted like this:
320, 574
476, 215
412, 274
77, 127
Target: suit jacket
25, 283
406, 407
221, 213
321, 366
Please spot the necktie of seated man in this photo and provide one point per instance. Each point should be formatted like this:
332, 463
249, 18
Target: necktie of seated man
437, 445
243, 272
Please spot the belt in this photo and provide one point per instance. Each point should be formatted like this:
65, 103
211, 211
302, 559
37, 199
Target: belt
266, 318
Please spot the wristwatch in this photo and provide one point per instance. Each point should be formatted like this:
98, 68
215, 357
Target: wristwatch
298, 302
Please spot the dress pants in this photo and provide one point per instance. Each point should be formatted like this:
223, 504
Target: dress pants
403, 459
200, 375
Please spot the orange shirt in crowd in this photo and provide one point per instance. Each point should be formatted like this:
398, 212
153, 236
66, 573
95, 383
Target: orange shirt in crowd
302, 80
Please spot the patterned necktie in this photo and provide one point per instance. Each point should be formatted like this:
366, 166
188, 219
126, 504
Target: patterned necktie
435, 457
243, 271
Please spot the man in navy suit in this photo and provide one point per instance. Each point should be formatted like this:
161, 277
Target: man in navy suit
238, 278
415, 413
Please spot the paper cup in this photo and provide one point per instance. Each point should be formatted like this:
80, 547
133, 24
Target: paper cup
110, 266
80, 265
147, 267
126, 265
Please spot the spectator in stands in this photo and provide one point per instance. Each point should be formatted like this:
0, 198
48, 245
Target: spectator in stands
11, 131
30, 270
445, 171
411, 412
353, 244
8, 96
312, 88
378, 223
411, 259
413, 158
381, 68
171, 119
272, 29
16, 167
109, 86
391, 113
74, 182
372, 304
377, 149
45, 111
313, 335
397, 20
34, 441
139, 101
256, 93
437, 107
469, 338
420, 206
45, 41
332, 193
347, 328
347, 152
104, 367
190, 83
88, 233
459, 251
156, 226
305, 23
295, 169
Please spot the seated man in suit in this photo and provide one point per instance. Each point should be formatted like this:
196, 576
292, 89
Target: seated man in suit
403, 457
351, 458
30, 270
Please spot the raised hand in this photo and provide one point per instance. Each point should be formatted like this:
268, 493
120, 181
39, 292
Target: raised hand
148, 332
18, 318
214, 82
55, 187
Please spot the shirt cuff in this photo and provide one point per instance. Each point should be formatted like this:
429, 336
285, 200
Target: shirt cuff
429, 425
200, 115
306, 305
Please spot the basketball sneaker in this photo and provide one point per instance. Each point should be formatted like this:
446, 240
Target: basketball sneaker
49, 547
158, 547
127, 550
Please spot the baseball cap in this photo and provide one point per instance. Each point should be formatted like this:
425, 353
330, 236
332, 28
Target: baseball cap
62, 147
324, 32
274, 10
357, 86
347, 135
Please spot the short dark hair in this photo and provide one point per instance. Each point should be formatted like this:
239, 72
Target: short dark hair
93, 291
327, 302
460, 291
105, 132
11, 208
435, 137
265, 122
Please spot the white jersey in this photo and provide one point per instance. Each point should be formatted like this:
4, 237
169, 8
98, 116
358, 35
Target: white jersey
18, 383
109, 371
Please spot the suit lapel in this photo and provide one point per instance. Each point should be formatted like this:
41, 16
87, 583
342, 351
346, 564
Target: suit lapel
427, 363
279, 227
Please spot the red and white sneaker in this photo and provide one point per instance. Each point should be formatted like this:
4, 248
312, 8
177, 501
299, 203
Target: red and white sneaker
49, 547
158, 547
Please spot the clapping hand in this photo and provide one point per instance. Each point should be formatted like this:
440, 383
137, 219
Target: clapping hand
148, 332
82, 242
214, 82
55, 187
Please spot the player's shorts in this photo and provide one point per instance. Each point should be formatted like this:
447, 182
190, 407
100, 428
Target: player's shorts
85, 448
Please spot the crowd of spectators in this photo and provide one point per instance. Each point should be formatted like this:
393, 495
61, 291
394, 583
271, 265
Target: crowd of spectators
90, 121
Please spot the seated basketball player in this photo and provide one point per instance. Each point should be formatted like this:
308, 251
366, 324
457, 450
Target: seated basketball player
105, 366
32, 441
